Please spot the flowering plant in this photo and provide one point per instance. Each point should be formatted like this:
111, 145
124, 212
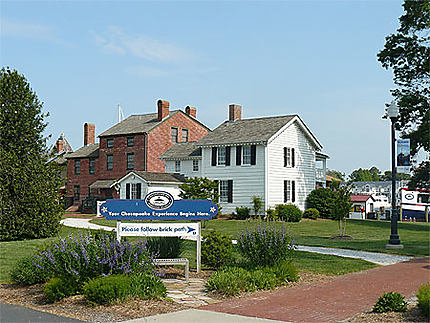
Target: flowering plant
266, 245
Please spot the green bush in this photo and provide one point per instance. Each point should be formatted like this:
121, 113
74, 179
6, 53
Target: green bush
58, 288
165, 247
285, 271
322, 199
288, 212
265, 245
147, 286
390, 302
262, 278
242, 213
229, 281
107, 289
271, 215
311, 214
25, 273
217, 250
423, 296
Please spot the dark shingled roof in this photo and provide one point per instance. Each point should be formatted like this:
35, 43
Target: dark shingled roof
102, 183
183, 150
160, 177
245, 130
89, 151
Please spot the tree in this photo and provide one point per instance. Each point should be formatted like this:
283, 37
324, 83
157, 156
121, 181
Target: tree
421, 176
200, 188
321, 199
365, 175
336, 174
257, 204
29, 188
399, 176
341, 207
407, 52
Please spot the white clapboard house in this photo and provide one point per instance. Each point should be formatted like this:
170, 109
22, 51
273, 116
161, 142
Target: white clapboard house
274, 158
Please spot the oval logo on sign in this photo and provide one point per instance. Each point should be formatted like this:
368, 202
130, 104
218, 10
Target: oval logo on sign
159, 200
409, 196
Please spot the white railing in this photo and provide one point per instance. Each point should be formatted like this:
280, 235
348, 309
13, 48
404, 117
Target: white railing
319, 175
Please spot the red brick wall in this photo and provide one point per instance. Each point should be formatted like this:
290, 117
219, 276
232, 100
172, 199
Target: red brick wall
159, 139
84, 179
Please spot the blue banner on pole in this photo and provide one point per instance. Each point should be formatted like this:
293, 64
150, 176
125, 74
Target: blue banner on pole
158, 206
403, 153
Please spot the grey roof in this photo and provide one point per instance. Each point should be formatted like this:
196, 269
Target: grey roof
102, 183
183, 150
89, 151
140, 124
245, 131
160, 177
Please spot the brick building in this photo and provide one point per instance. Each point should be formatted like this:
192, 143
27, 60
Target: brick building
136, 143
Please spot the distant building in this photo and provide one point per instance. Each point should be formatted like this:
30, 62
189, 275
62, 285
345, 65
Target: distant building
377, 187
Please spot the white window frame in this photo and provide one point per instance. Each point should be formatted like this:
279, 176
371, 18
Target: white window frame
177, 166
223, 191
195, 165
289, 191
288, 157
246, 155
133, 191
222, 156
185, 137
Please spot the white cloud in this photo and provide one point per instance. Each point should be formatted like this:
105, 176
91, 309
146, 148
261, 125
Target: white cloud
116, 41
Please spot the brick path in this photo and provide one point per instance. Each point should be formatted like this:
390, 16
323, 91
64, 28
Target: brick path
333, 300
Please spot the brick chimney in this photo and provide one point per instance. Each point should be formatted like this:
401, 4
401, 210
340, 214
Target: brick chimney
191, 111
234, 112
163, 109
89, 134
60, 145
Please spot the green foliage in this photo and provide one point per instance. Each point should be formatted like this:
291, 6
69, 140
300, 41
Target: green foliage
423, 296
196, 188
25, 273
119, 288
165, 247
399, 176
217, 250
229, 281
285, 271
257, 204
323, 200
107, 290
58, 288
242, 213
341, 207
365, 175
288, 212
421, 176
265, 246
311, 214
29, 188
336, 174
390, 302
271, 215
407, 53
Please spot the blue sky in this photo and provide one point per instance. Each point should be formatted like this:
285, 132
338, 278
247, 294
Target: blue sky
313, 58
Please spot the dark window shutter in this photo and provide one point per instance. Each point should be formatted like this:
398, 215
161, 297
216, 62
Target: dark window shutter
293, 158
285, 192
127, 191
253, 154
285, 156
227, 155
214, 156
238, 155
230, 191
293, 191
139, 191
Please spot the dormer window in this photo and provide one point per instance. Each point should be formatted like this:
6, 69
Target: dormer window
174, 135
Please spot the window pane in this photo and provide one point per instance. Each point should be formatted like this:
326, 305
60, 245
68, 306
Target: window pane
77, 167
76, 193
109, 162
130, 160
184, 135
177, 166
174, 135
223, 191
130, 141
109, 143
287, 191
134, 191
195, 165
92, 166
221, 156
246, 153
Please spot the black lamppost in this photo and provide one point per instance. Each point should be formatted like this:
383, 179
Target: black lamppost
394, 242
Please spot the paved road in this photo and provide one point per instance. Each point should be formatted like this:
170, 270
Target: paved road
20, 314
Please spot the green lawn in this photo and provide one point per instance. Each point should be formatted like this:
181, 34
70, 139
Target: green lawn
367, 235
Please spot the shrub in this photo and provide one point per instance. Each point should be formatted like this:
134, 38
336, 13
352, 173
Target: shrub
311, 214
271, 215
323, 200
165, 247
58, 288
288, 212
257, 204
26, 273
229, 281
242, 213
285, 271
263, 278
217, 250
390, 302
423, 296
85, 258
147, 286
265, 245
108, 289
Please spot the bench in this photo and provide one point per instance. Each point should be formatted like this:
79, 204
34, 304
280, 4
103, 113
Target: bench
174, 262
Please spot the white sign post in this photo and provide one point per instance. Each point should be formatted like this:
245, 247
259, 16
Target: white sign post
145, 229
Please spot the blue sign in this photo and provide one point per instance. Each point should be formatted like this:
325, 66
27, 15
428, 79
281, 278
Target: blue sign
159, 206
